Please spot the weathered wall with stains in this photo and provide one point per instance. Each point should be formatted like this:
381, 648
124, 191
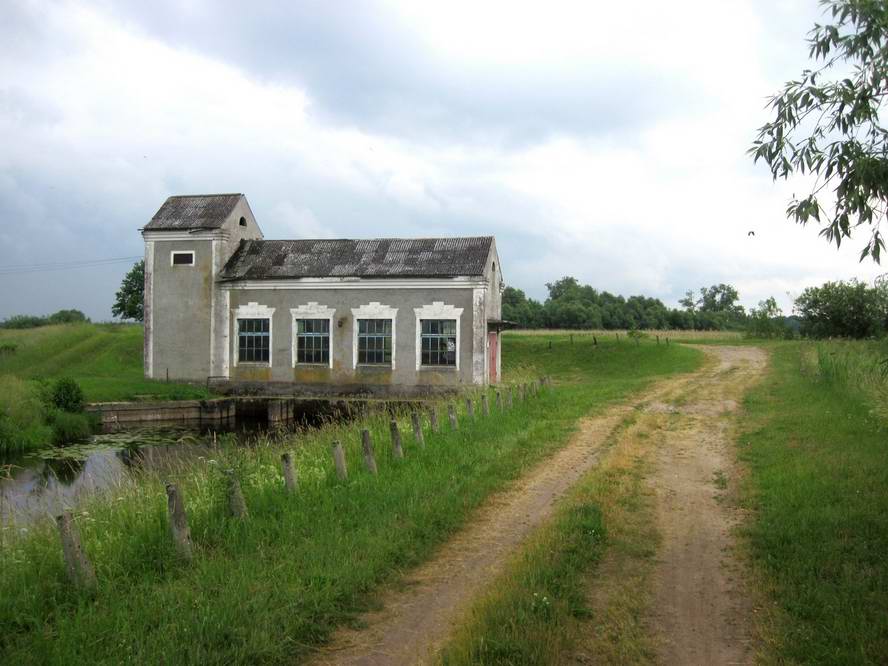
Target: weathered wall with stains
185, 311
179, 314
342, 342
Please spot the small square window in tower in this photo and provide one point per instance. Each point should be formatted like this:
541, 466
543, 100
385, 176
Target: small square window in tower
182, 259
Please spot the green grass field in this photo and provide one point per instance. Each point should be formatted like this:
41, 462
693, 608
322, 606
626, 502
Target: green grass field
815, 445
105, 359
271, 588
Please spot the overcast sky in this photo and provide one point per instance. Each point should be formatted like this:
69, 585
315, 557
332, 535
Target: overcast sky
600, 140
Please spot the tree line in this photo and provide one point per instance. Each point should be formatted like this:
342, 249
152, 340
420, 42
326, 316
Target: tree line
574, 306
847, 309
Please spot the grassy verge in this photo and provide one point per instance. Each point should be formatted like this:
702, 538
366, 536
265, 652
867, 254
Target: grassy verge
818, 486
270, 588
610, 512
105, 359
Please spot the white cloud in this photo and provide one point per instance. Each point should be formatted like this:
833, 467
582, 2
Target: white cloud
101, 119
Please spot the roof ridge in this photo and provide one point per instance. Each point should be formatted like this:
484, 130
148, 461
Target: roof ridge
205, 196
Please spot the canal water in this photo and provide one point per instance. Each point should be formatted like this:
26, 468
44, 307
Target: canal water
45, 482
48, 481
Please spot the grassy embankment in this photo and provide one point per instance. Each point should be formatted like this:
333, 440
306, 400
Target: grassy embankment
814, 439
104, 359
274, 586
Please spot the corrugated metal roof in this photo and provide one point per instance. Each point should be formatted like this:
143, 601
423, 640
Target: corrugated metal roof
377, 257
201, 211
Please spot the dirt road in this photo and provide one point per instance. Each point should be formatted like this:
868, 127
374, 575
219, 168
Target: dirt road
677, 594
701, 611
416, 620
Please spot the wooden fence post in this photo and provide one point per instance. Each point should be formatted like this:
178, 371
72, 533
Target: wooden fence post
451, 414
499, 402
237, 505
417, 428
470, 408
433, 419
658, 339
509, 398
80, 571
289, 472
485, 405
594, 341
397, 449
367, 447
178, 522
339, 460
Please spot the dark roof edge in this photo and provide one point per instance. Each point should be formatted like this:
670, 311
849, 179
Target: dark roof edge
436, 276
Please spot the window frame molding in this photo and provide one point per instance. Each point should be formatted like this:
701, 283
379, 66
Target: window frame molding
437, 310
252, 310
373, 310
310, 310
173, 253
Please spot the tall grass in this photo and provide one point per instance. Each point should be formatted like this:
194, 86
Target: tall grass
859, 367
22, 417
818, 488
272, 587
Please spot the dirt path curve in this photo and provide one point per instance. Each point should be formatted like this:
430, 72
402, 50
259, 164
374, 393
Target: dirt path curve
701, 611
416, 621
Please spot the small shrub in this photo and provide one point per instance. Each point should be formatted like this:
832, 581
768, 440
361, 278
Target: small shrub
68, 427
67, 395
8, 348
67, 317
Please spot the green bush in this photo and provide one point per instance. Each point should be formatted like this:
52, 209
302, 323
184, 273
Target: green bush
67, 395
23, 321
68, 427
67, 317
22, 417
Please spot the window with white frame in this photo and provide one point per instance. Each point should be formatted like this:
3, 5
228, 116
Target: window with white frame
373, 335
313, 341
374, 342
312, 334
182, 258
438, 342
254, 340
437, 335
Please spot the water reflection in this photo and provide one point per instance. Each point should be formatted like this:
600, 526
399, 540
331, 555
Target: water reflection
46, 483
37, 486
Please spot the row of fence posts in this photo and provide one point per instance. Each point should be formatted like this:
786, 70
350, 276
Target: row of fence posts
595, 340
81, 573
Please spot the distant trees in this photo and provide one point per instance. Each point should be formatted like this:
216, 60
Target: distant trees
573, 305
130, 298
850, 309
767, 321
34, 321
716, 308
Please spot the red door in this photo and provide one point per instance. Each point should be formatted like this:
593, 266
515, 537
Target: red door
492, 353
